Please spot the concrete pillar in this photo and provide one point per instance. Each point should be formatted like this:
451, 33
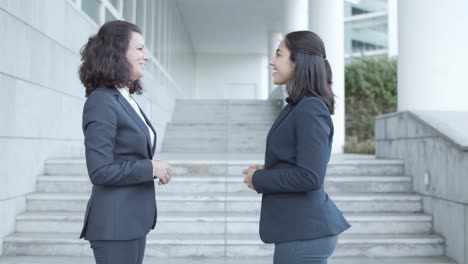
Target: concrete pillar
273, 43
296, 15
392, 11
296, 18
326, 19
432, 55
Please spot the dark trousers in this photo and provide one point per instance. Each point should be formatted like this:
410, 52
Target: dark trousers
119, 251
314, 251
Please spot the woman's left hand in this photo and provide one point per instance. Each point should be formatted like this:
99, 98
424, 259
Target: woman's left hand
162, 171
249, 172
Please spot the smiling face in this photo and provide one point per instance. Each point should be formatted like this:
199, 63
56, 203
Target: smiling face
283, 67
137, 56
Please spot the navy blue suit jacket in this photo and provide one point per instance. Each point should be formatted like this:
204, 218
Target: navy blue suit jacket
118, 152
294, 203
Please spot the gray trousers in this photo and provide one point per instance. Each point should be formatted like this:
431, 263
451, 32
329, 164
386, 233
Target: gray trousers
315, 251
119, 251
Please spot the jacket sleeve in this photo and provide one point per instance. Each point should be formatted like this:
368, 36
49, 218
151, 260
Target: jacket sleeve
313, 147
100, 128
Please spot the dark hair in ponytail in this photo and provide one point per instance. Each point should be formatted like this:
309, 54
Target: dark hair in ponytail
312, 72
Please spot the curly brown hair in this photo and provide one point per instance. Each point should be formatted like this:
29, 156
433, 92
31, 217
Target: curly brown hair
103, 60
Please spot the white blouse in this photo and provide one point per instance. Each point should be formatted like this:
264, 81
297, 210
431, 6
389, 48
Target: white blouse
126, 94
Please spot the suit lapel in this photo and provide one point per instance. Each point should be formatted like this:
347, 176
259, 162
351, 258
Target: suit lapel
286, 110
129, 109
152, 128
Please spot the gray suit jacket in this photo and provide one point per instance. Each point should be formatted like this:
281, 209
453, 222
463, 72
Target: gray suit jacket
294, 204
122, 205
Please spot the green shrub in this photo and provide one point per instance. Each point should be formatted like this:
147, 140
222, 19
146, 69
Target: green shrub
353, 145
371, 90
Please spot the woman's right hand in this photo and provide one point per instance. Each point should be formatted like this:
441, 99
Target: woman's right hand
254, 166
162, 171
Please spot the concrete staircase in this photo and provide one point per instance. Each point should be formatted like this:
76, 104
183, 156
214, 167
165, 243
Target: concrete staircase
220, 126
207, 215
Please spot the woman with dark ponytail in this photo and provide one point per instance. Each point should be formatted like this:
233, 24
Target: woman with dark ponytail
297, 214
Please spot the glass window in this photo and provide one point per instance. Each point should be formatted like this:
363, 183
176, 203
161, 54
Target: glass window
140, 14
156, 23
115, 3
109, 16
360, 46
358, 11
91, 8
128, 10
149, 22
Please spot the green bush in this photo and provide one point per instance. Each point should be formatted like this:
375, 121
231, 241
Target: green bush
353, 145
371, 90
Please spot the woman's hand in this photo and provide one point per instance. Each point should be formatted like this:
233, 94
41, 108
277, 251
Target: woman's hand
249, 172
162, 171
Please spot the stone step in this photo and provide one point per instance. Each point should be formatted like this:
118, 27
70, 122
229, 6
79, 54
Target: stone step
243, 117
234, 184
198, 120
353, 203
199, 131
223, 115
210, 102
220, 223
146, 260
203, 140
175, 127
230, 106
197, 148
214, 144
158, 245
217, 166
231, 109
227, 105
206, 143
168, 147
226, 260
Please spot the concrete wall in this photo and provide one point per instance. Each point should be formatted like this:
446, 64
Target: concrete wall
231, 76
439, 167
42, 97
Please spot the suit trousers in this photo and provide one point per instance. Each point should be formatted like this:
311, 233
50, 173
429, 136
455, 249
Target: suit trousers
119, 251
315, 251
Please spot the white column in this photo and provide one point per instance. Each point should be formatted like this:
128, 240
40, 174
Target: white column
326, 20
432, 55
273, 43
296, 15
392, 11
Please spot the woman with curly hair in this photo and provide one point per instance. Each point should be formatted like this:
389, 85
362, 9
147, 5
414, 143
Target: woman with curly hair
120, 143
